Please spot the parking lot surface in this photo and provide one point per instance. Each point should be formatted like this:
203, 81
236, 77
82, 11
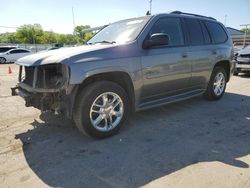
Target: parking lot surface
195, 143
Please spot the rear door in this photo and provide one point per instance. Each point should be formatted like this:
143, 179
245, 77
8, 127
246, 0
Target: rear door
166, 70
201, 52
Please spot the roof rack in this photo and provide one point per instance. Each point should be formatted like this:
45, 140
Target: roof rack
179, 12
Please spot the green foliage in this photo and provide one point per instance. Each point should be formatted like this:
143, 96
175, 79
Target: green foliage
82, 37
34, 34
30, 34
8, 38
245, 30
49, 37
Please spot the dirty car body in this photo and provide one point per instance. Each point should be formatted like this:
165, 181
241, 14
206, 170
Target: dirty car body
150, 76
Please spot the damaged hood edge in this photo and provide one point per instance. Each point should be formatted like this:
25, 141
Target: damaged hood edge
58, 56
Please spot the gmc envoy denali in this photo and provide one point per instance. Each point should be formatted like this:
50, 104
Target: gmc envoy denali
128, 66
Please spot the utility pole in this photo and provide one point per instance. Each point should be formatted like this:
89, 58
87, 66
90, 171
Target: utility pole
246, 30
73, 17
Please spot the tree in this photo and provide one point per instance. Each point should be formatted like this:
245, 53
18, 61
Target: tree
245, 30
34, 34
30, 34
8, 38
48, 37
82, 37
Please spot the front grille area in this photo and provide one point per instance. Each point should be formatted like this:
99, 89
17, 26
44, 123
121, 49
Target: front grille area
29, 75
245, 55
44, 77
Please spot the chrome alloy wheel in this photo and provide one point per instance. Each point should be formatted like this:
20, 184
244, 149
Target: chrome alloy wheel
219, 84
106, 111
2, 60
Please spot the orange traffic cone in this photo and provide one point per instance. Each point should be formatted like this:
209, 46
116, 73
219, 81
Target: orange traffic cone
10, 71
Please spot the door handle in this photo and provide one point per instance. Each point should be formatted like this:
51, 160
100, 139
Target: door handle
214, 52
184, 55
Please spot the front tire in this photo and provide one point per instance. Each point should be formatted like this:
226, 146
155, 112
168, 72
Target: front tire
236, 72
2, 60
101, 109
217, 84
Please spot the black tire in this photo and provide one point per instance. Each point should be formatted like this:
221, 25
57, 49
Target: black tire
2, 60
236, 72
210, 93
86, 98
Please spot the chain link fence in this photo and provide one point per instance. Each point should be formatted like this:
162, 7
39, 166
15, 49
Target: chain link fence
32, 47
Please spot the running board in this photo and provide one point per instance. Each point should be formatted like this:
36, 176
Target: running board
172, 99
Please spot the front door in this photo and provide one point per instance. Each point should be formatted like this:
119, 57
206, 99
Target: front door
166, 69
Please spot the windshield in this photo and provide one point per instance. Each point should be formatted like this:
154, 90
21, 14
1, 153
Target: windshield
120, 32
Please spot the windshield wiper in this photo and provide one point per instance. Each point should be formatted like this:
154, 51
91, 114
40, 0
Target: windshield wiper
105, 42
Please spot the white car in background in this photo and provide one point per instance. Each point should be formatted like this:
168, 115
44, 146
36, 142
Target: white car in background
13, 55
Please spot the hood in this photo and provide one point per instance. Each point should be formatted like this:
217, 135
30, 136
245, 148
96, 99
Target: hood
61, 55
244, 51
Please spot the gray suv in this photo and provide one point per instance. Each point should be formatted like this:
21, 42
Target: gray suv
128, 66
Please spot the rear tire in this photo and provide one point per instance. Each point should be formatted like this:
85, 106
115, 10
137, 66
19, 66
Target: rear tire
101, 109
217, 84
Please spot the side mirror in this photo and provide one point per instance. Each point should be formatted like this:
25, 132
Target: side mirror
157, 39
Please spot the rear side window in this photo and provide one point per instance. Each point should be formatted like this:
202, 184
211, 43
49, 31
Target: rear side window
171, 27
206, 35
23, 51
195, 32
217, 32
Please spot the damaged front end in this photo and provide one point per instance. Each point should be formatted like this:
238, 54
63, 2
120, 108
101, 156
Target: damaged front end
44, 87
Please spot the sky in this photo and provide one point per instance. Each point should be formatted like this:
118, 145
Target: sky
56, 15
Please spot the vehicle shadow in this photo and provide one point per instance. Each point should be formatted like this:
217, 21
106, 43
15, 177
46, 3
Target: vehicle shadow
153, 144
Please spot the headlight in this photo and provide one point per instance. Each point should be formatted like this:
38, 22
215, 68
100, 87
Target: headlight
51, 76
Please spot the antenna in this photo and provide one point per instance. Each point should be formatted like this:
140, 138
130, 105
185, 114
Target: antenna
246, 30
73, 17
150, 7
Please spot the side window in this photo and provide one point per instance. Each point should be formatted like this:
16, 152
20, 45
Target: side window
195, 32
206, 35
23, 51
13, 51
171, 27
217, 32
18, 51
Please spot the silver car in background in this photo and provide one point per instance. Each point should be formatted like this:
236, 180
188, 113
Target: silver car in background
242, 60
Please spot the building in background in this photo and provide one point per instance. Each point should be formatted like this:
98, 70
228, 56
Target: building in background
238, 36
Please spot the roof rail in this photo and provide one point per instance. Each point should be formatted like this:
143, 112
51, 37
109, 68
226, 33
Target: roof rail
179, 12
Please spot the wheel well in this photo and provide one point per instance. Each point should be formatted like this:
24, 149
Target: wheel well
226, 66
120, 78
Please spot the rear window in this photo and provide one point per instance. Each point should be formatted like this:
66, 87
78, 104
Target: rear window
195, 32
217, 32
